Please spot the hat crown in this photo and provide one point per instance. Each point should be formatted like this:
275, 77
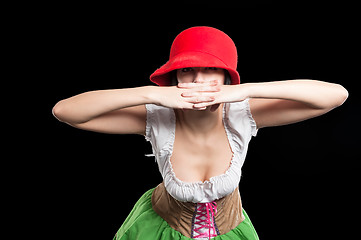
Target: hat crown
207, 40
199, 47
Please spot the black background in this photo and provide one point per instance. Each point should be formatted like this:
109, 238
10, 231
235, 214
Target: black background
298, 182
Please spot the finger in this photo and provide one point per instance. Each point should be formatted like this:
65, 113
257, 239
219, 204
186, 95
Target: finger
200, 109
198, 94
190, 106
203, 105
198, 84
186, 105
200, 81
207, 91
200, 99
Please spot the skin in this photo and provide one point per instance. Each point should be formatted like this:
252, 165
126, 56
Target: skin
200, 75
194, 156
201, 149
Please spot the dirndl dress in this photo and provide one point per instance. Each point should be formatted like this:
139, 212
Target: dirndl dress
144, 223
179, 210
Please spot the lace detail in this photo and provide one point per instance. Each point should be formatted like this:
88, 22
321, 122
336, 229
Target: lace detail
203, 222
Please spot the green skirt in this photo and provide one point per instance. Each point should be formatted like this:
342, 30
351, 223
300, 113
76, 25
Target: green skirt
143, 223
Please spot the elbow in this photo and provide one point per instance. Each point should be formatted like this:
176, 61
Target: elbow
335, 96
341, 96
58, 111
66, 114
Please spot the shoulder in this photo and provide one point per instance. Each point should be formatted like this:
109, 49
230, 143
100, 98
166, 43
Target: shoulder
153, 108
238, 109
240, 106
239, 117
160, 121
156, 114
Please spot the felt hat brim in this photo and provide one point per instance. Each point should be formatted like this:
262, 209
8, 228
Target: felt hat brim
191, 59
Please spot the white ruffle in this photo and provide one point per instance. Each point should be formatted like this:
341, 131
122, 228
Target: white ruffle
250, 117
160, 131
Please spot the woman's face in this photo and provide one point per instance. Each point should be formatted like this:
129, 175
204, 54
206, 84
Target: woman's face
195, 74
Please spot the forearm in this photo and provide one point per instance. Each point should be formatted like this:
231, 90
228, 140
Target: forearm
316, 94
86, 106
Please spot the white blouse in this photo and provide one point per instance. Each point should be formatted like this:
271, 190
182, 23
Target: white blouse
160, 131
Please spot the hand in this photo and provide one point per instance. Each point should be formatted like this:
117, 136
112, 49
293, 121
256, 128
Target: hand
205, 94
172, 97
201, 94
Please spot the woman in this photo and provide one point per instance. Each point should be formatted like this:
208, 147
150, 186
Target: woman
199, 121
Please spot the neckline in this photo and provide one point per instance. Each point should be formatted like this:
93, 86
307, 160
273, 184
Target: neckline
171, 145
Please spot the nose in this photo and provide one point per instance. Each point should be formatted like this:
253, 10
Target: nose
198, 75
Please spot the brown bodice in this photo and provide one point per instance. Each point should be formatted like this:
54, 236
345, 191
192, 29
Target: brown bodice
179, 215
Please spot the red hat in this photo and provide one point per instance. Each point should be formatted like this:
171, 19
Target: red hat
199, 47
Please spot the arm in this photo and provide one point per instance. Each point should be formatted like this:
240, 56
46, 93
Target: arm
281, 102
119, 111
285, 102
109, 111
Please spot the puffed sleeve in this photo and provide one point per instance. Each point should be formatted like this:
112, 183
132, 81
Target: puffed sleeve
240, 120
160, 123
150, 121
252, 122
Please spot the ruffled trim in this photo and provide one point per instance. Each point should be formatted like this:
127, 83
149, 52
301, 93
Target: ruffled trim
254, 129
233, 169
149, 121
216, 185
211, 180
170, 144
